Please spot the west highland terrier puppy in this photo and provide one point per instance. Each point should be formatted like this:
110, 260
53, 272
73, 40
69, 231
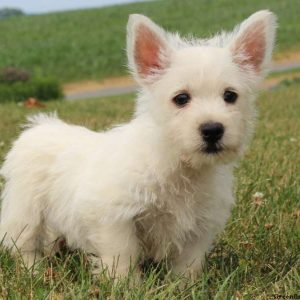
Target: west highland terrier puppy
159, 186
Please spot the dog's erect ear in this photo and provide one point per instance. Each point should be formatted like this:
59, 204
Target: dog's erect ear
147, 49
253, 43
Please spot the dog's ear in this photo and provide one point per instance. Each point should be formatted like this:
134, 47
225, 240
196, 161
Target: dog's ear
253, 42
147, 49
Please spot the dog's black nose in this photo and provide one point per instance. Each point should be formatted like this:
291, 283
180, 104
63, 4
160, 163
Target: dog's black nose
212, 132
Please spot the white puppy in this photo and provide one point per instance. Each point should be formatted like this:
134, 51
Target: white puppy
160, 185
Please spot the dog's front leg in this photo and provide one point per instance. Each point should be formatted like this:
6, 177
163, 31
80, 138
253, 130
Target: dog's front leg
189, 262
117, 249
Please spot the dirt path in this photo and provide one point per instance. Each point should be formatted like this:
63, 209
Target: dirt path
272, 82
124, 85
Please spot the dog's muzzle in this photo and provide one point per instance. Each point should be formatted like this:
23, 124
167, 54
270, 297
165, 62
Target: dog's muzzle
212, 134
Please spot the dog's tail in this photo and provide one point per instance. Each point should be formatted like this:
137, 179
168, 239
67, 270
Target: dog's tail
41, 118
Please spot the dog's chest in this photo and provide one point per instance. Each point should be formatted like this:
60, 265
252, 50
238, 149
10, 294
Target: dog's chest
171, 219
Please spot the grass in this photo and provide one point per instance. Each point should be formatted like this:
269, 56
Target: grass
256, 257
89, 44
287, 73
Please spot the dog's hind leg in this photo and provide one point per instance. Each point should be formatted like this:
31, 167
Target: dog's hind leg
21, 220
22, 238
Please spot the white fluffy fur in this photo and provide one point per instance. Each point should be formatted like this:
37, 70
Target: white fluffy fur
143, 187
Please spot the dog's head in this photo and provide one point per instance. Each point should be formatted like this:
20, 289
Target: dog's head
201, 92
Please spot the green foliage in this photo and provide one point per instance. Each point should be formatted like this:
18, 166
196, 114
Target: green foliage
256, 257
8, 12
47, 88
11, 75
42, 88
90, 43
291, 81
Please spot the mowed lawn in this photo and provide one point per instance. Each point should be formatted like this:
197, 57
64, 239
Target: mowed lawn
256, 257
89, 44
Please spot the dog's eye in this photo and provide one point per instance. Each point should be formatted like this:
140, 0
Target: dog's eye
230, 96
181, 99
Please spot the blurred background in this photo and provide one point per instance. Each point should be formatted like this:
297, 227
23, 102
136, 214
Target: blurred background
39, 7
60, 42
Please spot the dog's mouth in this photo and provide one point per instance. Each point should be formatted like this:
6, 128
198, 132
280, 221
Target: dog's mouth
212, 148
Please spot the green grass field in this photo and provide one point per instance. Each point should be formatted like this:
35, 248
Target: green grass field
90, 44
256, 257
